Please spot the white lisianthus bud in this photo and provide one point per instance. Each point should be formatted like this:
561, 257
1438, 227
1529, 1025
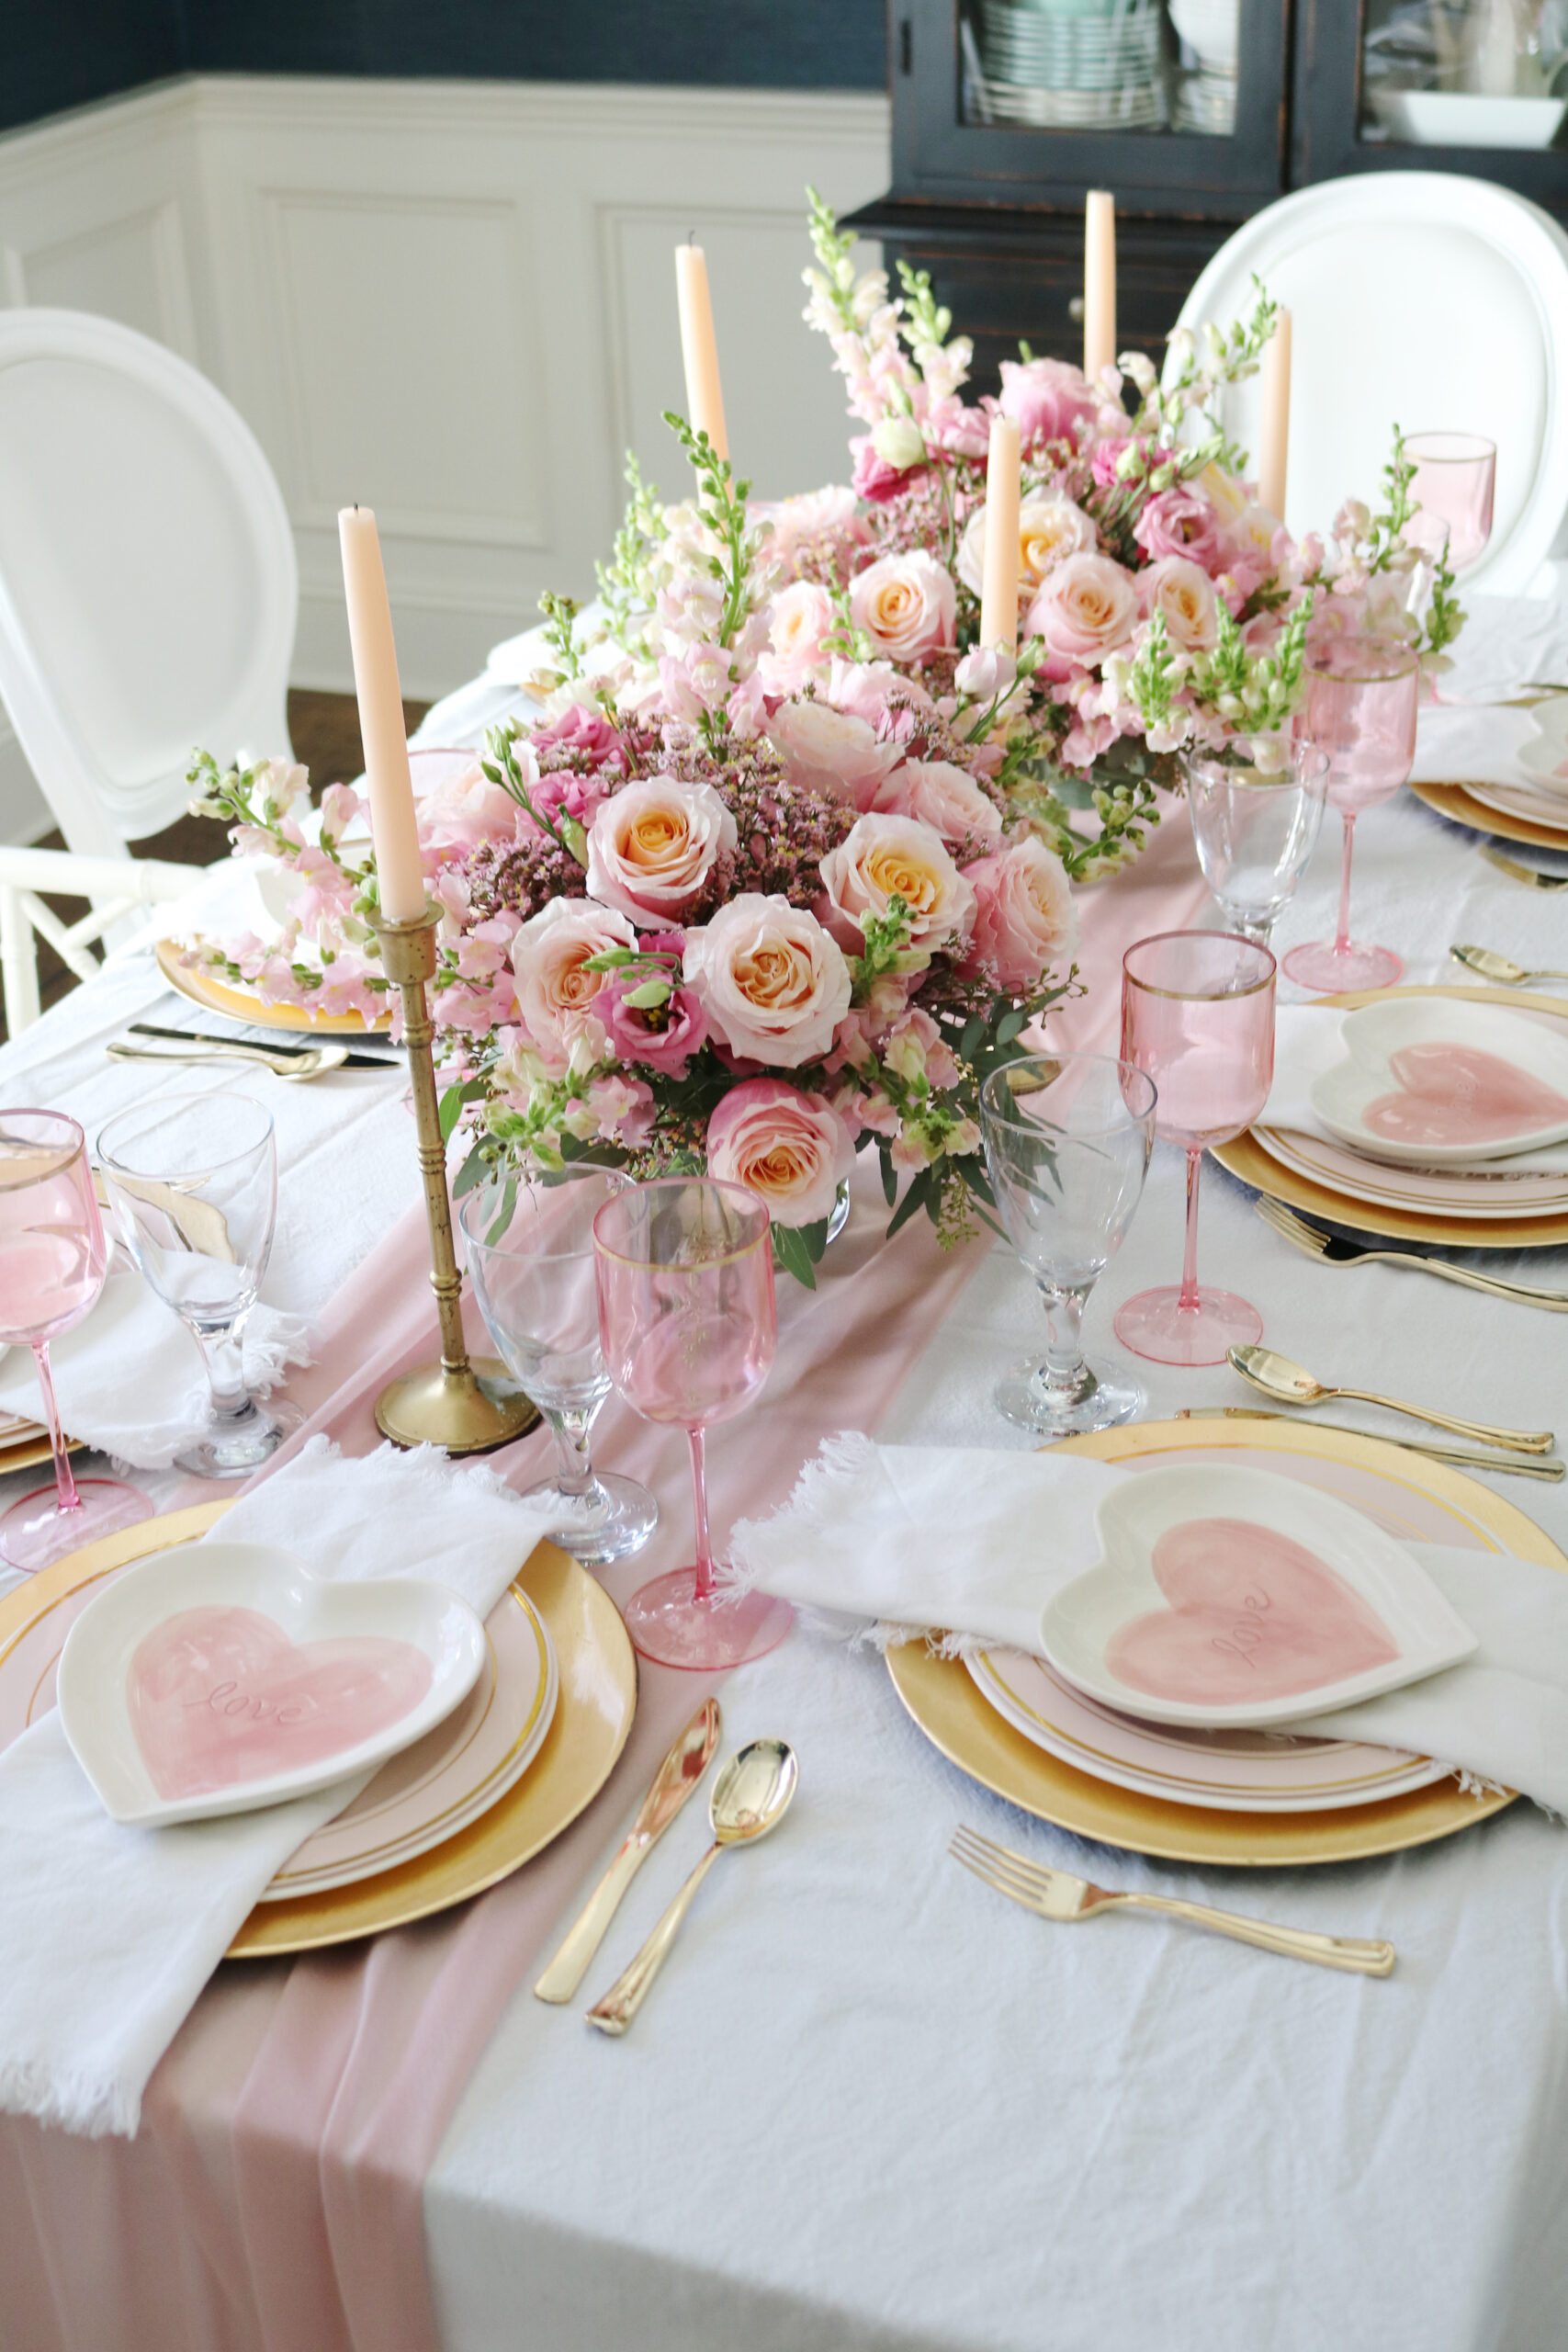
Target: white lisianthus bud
900, 442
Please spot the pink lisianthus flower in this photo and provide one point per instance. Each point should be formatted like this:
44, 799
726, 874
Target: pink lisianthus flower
1178, 522
879, 693
662, 1038
874, 479
580, 729
824, 525
952, 424
1025, 922
467, 809
791, 1148
942, 796
1048, 397
622, 1109
833, 752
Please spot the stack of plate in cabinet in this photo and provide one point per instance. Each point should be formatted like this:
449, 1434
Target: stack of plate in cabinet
1083, 67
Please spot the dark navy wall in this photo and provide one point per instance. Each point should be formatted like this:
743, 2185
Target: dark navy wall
59, 53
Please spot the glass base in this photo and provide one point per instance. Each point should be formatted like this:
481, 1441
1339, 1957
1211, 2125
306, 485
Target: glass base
1157, 1327
1103, 1400
35, 1532
233, 1448
622, 1524
671, 1625
1324, 965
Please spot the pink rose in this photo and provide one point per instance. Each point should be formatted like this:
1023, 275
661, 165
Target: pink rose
907, 605
1086, 607
879, 693
830, 751
466, 809
942, 796
580, 729
887, 856
651, 849
792, 1150
1024, 918
661, 1037
874, 479
1183, 594
772, 983
1048, 398
1179, 522
799, 620
555, 994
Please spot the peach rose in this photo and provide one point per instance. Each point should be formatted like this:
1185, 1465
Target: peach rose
888, 856
1087, 608
791, 1149
799, 620
907, 605
652, 848
1025, 919
773, 984
555, 994
1183, 594
831, 751
942, 796
1049, 530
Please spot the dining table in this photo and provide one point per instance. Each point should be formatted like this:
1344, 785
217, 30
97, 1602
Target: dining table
870, 2106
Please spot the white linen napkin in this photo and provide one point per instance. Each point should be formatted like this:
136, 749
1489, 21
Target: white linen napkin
130, 1378
972, 1543
1507, 644
107, 1934
1309, 1040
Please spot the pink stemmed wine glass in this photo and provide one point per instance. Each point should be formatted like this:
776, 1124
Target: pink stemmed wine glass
53, 1258
1198, 1018
1455, 479
688, 1326
1361, 699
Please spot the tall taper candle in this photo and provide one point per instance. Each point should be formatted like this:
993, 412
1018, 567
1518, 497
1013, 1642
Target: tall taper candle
1274, 440
705, 395
998, 597
385, 738
1099, 282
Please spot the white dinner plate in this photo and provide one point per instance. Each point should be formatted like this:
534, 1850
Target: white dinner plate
1544, 803
217, 1678
1464, 1044
1493, 1193
1232, 1599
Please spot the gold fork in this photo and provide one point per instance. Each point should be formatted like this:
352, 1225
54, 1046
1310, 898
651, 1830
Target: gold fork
1056, 1894
1331, 1251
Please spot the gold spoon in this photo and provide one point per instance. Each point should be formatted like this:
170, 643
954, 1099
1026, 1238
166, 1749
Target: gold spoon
1501, 969
1531, 875
1275, 1376
749, 1797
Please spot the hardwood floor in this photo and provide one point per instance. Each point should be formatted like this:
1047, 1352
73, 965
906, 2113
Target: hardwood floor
324, 729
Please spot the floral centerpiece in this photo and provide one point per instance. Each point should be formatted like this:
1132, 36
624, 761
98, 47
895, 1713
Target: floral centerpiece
780, 862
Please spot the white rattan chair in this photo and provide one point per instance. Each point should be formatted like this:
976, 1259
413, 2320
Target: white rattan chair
148, 598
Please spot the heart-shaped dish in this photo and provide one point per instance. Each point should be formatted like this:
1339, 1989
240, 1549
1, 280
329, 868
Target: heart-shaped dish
1231, 1597
215, 1677
1495, 1077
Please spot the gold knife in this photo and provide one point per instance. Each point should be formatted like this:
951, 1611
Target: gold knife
1513, 1466
674, 1781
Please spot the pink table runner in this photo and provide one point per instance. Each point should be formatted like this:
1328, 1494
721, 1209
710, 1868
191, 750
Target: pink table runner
272, 2202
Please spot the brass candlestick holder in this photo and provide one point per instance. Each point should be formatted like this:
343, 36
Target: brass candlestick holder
466, 1406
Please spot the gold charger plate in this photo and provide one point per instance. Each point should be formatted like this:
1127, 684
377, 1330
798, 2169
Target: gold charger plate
593, 1720
213, 996
1453, 801
945, 1702
1246, 1158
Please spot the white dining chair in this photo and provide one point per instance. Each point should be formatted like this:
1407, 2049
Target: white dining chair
1421, 299
148, 600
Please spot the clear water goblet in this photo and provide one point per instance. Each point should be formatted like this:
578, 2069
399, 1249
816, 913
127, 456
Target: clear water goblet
1197, 1018
1361, 699
192, 1181
689, 1326
1067, 1140
53, 1258
1455, 479
530, 1259
1254, 831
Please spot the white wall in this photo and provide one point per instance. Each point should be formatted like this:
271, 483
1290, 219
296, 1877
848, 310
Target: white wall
452, 301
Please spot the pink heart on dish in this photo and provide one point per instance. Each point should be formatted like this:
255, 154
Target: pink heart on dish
219, 1697
1252, 1615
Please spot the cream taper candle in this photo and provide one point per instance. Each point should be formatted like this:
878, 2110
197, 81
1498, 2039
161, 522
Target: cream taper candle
387, 778
1099, 282
999, 595
705, 395
1274, 440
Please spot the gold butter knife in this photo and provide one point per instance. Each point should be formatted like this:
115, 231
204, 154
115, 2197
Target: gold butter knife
1512, 1464
674, 1781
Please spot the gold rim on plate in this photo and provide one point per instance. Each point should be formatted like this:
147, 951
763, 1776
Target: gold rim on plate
593, 1721
1453, 801
1247, 1157
235, 1004
946, 1702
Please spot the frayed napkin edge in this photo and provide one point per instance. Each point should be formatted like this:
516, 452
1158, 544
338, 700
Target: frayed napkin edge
88, 2107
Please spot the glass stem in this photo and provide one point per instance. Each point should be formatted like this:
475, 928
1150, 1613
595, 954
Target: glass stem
1342, 936
700, 1505
65, 1485
1062, 1374
223, 1354
1187, 1301
571, 1430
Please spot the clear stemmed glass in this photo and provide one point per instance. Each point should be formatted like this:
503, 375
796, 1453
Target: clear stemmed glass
688, 1324
1198, 1018
1455, 479
192, 1180
1362, 694
1068, 1141
53, 1258
1254, 831
531, 1264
